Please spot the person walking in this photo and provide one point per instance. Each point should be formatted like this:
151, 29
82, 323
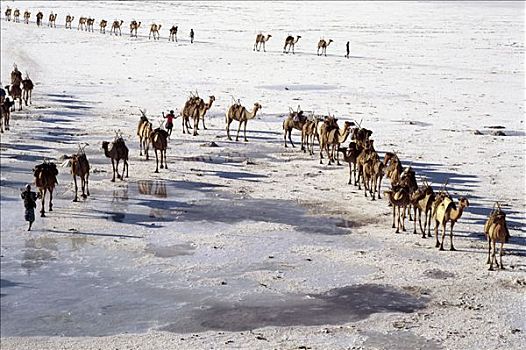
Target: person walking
169, 122
348, 46
30, 204
191, 36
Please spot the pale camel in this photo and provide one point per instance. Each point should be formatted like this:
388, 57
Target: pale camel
5, 114
331, 139
82, 23
496, 229
117, 152
290, 42
69, 20
79, 167
260, 41
52, 20
154, 29
202, 108
173, 34
190, 111
144, 130
448, 211
159, 139
322, 44
422, 201
241, 114
103, 24
89, 23
16, 94
309, 133
45, 179
27, 15
40, 15
16, 15
295, 120
399, 199
329, 122
27, 89
116, 25
134, 25
8, 13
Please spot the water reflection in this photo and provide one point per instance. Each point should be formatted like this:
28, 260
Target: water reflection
152, 188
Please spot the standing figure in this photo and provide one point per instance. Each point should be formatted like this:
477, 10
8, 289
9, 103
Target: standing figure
30, 204
169, 122
348, 46
191, 36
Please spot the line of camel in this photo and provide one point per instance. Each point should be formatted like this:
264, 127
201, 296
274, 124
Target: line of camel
87, 23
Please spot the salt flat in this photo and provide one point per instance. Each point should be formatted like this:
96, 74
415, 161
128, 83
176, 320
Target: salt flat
253, 245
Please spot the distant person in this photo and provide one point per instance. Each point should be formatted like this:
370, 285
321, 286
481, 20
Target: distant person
169, 122
191, 36
30, 204
348, 46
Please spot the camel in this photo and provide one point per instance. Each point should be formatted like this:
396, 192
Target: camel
134, 25
16, 16
309, 133
295, 120
260, 41
393, 166
173, 34
16, 93
399, 199
117, 152
373, 172
241, 114
446, 211
332, 139
422, 201
361, 159
27, 15
82, 23
102, 25
116, 25
201, 111
79, 167
154, 28
159, 140
190, 111
46, 179
51, 20
16, 76
27, 89
8, 12
290, 42
144, 130
361, 136
69, 20
89, 23
5, 114
496, 229
40, 15
322, 44
350, 155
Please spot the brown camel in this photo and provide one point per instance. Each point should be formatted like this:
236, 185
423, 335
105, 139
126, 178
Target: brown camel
373, 172
46, 179
116, 25
295, 120
201, 111
190, 111
16, 15
448, 211
79, 167
362, 159
241, 114
5, 114
40, 15
134, 25
82, 23
69, 20
154, 29
350, 155
393, 166
117, 152
290, 42
361, 136
422, 201
27, 15
15, 91
309, 133
173, 34
399, 199
260, 41
89, 23
322, 44
8, 13
52, 20
16, 76
331, 139
144, 131
496, 229
27, 89
103, 24
159, 139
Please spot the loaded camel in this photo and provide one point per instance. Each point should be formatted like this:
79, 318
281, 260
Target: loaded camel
82, 23
116, 153
116, 25
89, 23
27, 89
144, 130
260, 41
399, 198
16, 94
52, 20
16, 16
134, 25
308, 133
202, 108
373, 172
159, 139
290, 42
422, 201
190, 111
46, 178
27, 15
69, 20
16, 75
295, 120
5, 114
322, 44
332, 138
173, 34
362, 158
8, 12
495, 230
79, 167
350, 155
444, 211
102, 25
242, 115
40, 15
154, 29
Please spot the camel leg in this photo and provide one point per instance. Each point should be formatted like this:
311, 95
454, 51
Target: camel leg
403, 218
429, 224
245, 130
290, 137
141, 141
165, 161
238, 129
489, 250
43, 195
51, 199
437, 244
182, 123
500, 254
113, 167
162, 163
86, 180
414, 226
394, 211
76, 188
451, 236
492, 255
126, 166
156, 161
228, 129
350, 174
443, 235
196, 125
30, 94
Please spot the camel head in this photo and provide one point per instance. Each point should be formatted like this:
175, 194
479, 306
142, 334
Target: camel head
268, 37
463, 202
257, 107
105, 145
